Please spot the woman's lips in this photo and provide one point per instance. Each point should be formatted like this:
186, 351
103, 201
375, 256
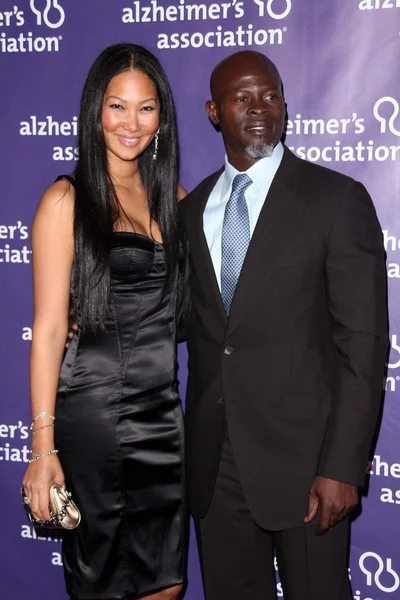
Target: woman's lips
129, 141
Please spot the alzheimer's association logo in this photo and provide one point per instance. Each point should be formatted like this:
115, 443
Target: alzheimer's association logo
394, 347
52, 14
385, 577
386, 110
272, 8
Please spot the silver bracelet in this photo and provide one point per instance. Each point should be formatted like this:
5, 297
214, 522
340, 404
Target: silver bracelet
43, 427
42, 415
39, 456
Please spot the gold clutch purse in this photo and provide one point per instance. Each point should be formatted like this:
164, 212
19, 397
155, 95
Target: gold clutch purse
64, 514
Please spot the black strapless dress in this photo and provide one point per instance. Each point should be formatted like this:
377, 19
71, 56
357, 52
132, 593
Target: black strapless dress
119, 433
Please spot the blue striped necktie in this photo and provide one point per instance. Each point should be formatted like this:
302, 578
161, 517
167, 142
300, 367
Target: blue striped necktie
235, 238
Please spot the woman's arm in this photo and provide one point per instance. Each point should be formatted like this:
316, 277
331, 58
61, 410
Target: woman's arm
52, 253
181, 334
181, 192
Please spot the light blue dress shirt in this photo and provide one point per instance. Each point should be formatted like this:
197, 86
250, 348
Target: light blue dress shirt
261, 174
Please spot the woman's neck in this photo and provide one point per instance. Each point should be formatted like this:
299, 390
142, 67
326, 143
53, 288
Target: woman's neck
125, 174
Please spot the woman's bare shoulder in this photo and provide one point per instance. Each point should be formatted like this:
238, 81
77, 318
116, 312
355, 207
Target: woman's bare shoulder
58, 197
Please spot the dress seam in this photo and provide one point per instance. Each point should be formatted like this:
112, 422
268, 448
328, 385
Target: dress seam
124, 533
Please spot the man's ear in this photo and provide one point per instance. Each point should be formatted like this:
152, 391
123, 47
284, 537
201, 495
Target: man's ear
212, 112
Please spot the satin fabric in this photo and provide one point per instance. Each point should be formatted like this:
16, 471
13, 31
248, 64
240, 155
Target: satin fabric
119, 433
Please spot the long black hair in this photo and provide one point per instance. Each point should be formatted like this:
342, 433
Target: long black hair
96, 204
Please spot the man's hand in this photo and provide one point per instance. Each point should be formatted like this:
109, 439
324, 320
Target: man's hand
334, 499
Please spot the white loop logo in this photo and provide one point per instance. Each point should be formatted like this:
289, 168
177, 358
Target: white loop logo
378, 572
270, 4
394, 346
383, 120
50, 4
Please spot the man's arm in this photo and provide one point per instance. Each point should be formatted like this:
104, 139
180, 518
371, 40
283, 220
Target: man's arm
357, 300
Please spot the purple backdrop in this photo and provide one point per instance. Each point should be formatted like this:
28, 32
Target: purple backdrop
339, 63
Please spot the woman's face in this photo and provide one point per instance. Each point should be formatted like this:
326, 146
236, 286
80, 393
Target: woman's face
131, 115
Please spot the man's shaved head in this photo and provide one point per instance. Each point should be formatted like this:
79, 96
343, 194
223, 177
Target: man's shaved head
230, 63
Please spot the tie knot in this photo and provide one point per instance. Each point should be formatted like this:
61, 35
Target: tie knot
240, 183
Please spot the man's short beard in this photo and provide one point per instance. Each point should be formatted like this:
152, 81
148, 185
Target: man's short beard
260, 150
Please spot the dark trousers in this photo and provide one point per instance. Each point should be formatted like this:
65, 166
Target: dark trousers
237, 556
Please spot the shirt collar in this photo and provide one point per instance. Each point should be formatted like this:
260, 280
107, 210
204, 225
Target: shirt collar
261, 173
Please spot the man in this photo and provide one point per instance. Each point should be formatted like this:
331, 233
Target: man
287, 342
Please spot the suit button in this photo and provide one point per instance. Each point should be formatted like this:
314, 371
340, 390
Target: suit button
228, 350
220, 399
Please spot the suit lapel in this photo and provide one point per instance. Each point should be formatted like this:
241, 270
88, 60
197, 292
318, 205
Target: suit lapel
277, 219
199, 250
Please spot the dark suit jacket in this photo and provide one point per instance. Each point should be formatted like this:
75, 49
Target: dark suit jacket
296, 371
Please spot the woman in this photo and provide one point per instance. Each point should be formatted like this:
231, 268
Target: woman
105, 245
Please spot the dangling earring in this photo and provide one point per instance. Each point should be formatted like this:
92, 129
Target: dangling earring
155, 145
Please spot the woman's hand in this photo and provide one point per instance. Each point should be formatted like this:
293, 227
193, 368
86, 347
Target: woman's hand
39, 476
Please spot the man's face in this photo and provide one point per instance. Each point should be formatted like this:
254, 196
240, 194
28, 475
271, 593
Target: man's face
249, 108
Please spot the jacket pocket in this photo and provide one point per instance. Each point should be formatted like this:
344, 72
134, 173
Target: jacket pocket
292, 260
